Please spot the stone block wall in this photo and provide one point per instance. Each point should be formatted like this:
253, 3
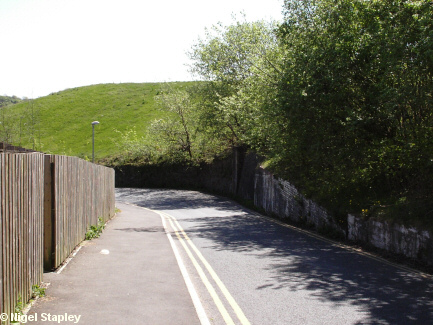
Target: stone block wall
395, 238
280, 198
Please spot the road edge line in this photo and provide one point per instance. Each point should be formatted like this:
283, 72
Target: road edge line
204, 320
219, 304
236, 308
343, 246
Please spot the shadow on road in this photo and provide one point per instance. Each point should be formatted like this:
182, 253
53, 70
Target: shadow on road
300, 262
161, 199
330, 273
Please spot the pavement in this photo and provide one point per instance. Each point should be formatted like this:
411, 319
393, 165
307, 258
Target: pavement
129, 275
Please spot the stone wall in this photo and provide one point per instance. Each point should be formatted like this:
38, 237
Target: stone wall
217, 177
232, 175
279, 198
395, 238
239, 175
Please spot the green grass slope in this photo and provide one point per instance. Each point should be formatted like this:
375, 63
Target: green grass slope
61, 122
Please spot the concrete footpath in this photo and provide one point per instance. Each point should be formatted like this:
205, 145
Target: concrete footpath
137, 282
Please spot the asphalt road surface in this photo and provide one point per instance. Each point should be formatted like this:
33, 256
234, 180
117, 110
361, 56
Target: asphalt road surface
242, 268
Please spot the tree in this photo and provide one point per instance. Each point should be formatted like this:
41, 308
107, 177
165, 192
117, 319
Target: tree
29, 125
175, 131
356, 94
240, 64
8, 100
8, 129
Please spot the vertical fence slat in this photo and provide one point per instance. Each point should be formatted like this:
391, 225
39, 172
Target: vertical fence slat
48, 213
5, 233
2, 215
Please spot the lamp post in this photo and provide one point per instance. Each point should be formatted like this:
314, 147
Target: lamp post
93, 140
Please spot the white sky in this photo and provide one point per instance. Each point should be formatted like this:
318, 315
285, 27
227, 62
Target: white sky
51, 45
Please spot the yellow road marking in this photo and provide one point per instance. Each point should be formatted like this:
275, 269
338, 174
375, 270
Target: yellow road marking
239, 313
222, 287
204, 320
346, 247
206, 282
340, 245
204, 279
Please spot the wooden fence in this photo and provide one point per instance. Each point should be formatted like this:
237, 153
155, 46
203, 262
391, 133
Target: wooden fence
22, 221
81, 193
48, 203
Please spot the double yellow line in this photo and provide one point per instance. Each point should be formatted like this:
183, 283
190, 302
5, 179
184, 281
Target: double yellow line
190, 249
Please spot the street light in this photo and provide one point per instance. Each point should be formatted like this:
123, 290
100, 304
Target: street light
93, 140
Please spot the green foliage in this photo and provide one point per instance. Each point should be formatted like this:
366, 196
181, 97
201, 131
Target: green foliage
338, 98
175, 132
9, 100
175, 137
95, 230
37, 291
8, 127
357, 98
241, 64
131, 148
19, 306
61, 122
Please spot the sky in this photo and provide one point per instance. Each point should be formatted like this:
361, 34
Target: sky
51, 45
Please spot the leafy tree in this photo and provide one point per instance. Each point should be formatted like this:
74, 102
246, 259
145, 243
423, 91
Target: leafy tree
8, 100
356, 94
338, 98
30, 125
7, 128
19, 127
133, 148
240, 64
175, 132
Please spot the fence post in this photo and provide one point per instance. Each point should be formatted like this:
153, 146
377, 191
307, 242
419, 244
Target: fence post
49, 213
2, 215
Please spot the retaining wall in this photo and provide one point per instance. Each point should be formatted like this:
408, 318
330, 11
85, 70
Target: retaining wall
408, 241
240, 175
280, 198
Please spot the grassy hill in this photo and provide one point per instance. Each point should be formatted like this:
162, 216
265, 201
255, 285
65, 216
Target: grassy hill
61, 122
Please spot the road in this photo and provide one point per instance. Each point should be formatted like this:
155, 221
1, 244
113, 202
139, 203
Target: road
247, 269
